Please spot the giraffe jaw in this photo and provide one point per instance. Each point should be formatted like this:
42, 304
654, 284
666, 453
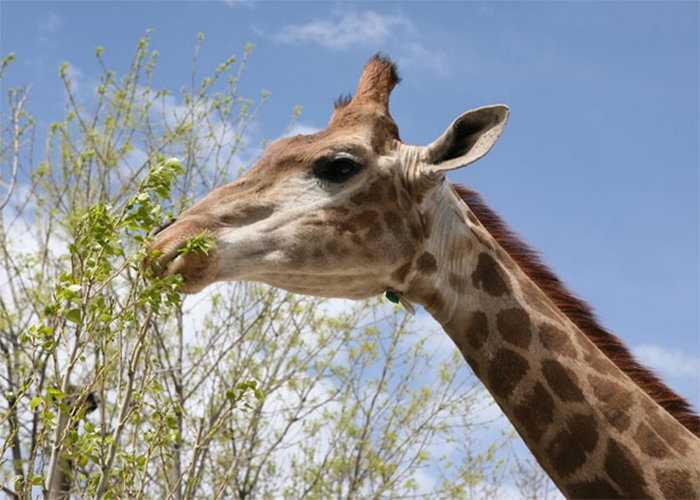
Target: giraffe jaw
246, 254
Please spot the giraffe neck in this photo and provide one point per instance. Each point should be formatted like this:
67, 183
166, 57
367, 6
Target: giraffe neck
595, 431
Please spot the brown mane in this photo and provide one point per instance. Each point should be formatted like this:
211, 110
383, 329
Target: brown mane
579, 312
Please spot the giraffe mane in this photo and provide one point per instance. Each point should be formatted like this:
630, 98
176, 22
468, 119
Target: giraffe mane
579, 311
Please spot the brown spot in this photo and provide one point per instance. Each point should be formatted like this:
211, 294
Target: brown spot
427, 263
373, 194
459, 248
364, 219
584, 428
565, 453
405, 203
615, 401
592, 355
375, 231
342, 226
360, 198
338, 211
596, 488
506, 370
385, 131
537, 298
562, 380
474, 365
377, 191
333, 247
535, 412
457, 283
459, 342
624, 470
668, 433
556, 340
597, 360
426, 223
478, 329
336, 219
514, 326
391, 194
401, 272
394, 222
415, 231
650, 442
490, 277
675, 483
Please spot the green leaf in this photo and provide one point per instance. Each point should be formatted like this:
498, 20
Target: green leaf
392, 297
74, 316
55, 393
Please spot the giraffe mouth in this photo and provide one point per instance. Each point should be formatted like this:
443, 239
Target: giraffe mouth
196, 268
159, 229
169, 255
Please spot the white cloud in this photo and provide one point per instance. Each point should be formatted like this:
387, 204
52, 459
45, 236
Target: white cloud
300, 128
392, 33
675, 363
47, 26
345, 30
417, 55
50, 23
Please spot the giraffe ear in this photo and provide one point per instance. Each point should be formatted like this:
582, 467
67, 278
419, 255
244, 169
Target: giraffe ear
467, 139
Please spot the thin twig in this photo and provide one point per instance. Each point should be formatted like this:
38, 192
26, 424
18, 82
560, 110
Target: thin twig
16, 144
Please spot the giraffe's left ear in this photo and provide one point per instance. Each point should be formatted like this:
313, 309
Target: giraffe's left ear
469, 138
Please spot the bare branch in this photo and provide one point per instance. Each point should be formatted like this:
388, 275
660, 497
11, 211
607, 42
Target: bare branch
18, 112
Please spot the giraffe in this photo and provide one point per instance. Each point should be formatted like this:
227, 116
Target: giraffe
352, 211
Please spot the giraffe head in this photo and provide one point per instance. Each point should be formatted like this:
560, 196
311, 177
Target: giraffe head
340, 213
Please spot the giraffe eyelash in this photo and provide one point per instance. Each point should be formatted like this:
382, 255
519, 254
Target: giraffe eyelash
337, 169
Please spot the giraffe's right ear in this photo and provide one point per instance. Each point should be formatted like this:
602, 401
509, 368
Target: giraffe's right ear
467, 139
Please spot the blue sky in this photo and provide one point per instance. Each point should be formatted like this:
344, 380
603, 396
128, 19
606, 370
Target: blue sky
598, 167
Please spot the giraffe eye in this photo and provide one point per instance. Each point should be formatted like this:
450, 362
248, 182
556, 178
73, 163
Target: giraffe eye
337, 169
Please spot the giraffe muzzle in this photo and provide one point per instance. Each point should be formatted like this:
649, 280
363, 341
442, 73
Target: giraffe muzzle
169, 255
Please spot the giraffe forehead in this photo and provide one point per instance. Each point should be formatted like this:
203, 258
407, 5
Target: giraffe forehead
297, 154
